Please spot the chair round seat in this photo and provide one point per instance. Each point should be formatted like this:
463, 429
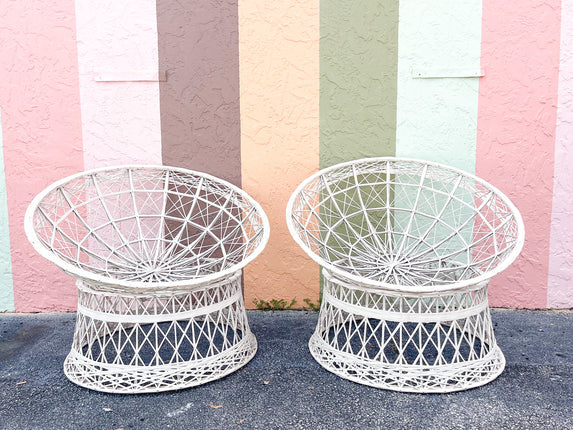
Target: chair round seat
407, 247
157, 253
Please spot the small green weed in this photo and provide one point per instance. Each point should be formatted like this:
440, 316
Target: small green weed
313, 306
274, 304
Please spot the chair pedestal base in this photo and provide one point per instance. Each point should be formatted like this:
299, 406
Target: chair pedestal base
138, 343
430, 342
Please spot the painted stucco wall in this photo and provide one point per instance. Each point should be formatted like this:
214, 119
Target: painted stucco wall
41, 133
278, 47
516, 132
119, 82
438, 78
199, 99
358, 78
264, 94
559, 288
6, 287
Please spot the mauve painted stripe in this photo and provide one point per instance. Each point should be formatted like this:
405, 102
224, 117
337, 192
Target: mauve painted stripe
41, 133
358, 79
199, 100
560, 280
6, 287
516, 126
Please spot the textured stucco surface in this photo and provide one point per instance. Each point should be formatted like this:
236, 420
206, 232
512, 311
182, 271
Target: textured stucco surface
279, 130
560, 281
198, 51
6, 288
437, 112
516, 132
120, 118
358, 78
41, 131
86, 84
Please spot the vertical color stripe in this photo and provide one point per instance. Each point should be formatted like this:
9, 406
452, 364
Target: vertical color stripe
6, 288
560, 281
41, 130
279, 125
516, 125
358, 78
117, 51
199, 52
438, 69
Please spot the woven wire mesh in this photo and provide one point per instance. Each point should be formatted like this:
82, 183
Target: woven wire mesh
405, 223
408, 248
135, 226
407, 342
157, 252
130, 343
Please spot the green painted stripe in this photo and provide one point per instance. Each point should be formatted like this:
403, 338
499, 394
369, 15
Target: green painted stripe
358, 79
6, 286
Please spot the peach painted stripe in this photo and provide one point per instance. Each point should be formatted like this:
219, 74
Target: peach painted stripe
560, 281
515, 138
41, 133
119, 82
279, 75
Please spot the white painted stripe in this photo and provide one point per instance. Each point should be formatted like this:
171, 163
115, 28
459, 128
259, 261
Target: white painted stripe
437, 118
130, 76
120, 119
560, 279
6, 284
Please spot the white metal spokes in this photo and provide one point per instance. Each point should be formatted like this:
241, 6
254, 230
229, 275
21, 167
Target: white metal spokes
149, 224
404, 222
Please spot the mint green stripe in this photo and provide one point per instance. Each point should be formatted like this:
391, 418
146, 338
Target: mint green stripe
438, 77
358, 79
6, 286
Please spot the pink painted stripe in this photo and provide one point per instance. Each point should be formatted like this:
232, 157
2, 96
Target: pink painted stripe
560, 280
41, 133
515, 138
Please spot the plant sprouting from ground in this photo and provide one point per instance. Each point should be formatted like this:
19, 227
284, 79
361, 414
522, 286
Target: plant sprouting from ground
274, 304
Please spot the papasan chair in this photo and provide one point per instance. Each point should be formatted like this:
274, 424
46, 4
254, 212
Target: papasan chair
157, 254
407, 249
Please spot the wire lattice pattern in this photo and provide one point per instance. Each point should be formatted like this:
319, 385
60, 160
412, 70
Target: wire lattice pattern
128, 343
408, 248
146, 225
157, 252
404, 223
417, 342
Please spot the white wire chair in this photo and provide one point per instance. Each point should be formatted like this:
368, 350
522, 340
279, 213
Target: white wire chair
157, 253
407, 248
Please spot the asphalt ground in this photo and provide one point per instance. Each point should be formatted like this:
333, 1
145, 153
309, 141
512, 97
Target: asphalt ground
284, 388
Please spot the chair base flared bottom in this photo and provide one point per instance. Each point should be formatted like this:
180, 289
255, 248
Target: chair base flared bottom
434, 342
408, 378
130, 379
146, 342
